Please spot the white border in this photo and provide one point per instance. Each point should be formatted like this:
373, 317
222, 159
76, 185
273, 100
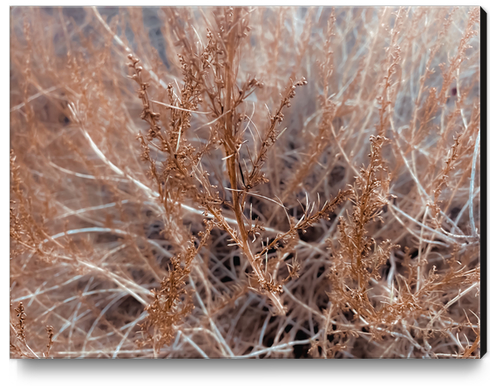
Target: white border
124, 372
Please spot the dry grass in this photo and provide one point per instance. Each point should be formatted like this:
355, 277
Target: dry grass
245, 182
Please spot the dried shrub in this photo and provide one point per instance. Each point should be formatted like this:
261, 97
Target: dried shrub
245, 182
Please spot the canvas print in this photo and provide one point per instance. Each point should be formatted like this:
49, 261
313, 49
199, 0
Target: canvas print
245, 182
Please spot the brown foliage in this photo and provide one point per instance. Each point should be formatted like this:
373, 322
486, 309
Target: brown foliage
179, 189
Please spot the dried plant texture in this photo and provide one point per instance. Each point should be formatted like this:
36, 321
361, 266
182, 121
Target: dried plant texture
245, 182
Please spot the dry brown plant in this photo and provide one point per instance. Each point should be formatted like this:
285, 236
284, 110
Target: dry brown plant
245, 182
